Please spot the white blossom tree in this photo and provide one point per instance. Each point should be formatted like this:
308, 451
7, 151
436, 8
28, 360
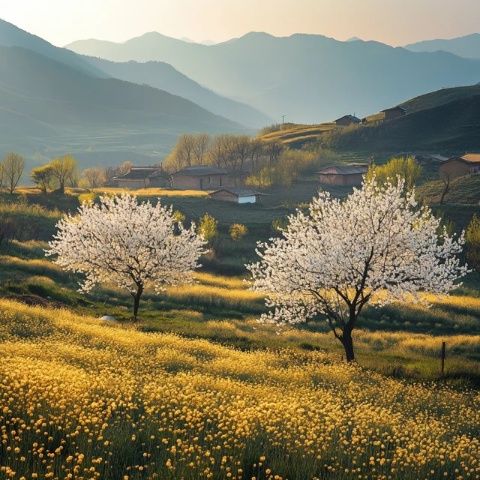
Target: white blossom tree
375, 247
129, 244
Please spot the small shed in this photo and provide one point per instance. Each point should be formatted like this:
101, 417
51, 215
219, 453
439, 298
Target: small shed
347, 120
200, 177
142, 177
343, 174
235, 195
393, 113
468, 164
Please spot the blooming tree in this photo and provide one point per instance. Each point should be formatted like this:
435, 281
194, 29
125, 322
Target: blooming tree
375, 247
129, 244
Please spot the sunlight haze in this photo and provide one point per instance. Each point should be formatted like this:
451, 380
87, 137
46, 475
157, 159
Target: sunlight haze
396, 22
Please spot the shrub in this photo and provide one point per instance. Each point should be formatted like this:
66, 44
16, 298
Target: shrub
208, 228
472, 240
237, 231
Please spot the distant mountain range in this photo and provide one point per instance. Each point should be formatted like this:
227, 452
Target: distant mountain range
163, 76
308, 78
467, 46
53, 101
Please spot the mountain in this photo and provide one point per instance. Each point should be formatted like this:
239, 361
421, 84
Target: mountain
47, 108
467, 46
308, 78
163, 76
12, 36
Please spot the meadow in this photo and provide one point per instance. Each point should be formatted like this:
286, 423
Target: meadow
199, 389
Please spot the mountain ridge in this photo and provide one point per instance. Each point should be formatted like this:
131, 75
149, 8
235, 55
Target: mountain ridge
310, 78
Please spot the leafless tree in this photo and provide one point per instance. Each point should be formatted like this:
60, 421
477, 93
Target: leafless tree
12, 169
95, 177
446, 187
201, 143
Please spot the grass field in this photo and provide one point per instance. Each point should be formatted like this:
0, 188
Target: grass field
82, 399
199, 389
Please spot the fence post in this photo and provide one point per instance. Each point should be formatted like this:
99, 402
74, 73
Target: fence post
443, 357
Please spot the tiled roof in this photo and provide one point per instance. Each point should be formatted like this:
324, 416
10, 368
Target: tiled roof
471, 157
344, 170
200, 170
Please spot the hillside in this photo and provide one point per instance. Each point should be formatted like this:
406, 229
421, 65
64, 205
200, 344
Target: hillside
462, 191
12, 36
440, 97
163, 76
451, 127
48, 107
467, 46
308, 78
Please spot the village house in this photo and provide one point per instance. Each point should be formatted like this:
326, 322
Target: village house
393, 113
347, 120
236, 195
468, 164
142, 177
200, 177
343, 174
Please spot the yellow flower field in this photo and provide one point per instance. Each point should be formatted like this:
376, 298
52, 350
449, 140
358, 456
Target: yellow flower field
82, 399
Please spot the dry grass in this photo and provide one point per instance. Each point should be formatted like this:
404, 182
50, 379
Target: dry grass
154, 192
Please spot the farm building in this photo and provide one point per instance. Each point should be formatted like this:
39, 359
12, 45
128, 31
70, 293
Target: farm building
392, 113
468, 164
343, 174
236, 195
201, 177
142, 177
347, 120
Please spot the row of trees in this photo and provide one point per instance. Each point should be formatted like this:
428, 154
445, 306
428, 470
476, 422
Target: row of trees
375, 247
265, 163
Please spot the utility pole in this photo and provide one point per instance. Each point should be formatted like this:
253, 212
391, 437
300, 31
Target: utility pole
283, 119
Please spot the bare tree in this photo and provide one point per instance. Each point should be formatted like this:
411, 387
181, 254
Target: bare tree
64, 171
95, 177
12, 170
446, 187
200, 148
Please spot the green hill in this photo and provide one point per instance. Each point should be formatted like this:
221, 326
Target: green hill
463, 191
440, 97
451, 127
47, 108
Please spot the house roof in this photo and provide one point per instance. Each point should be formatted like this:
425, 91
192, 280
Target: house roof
200, 170
472, 158
344, 170
140, 173
239, 192
392, 109
351, 118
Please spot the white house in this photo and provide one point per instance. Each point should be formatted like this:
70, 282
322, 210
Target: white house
236, 195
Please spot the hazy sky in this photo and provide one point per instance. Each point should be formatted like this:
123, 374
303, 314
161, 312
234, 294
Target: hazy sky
391, 21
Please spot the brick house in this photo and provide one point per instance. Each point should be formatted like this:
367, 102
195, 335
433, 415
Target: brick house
201, 177
235, 195
468, 164
343, 174
142, 177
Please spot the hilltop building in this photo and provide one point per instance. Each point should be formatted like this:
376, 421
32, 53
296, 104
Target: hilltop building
343, 174
468, 164
393, 113
347, 120
142, 177
236, 195
201, 177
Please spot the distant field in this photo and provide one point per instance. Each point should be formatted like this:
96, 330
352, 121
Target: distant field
294, 135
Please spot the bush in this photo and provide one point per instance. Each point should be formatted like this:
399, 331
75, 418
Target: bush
208, 228
237, 231
472, 239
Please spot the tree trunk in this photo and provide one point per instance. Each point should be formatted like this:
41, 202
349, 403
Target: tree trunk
347, 343
136, 301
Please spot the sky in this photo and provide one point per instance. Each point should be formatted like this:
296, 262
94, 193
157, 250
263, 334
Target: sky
396, 22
